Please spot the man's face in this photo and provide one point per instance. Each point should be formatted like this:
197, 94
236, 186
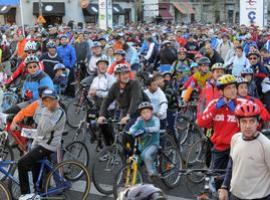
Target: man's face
230, 91
242, 90
103, 43
32, 68
217, 73
118, 57
248, 77
102, 67
146, 114
182, 55
153, 86
52, 51
160, 82
80, 36
239, 52
124, 77
208, 49
204, 68
253, 60
96, 50
64, 41
49, 103
248, 126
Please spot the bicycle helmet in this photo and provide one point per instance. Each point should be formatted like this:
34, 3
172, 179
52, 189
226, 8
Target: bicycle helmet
59, 66
225, 80
63, 36
96, 44
194, 65
120, 52
31, 59
144, 105
247, 109
240, 80
182, 50
247, 71
204, 61
142, 192
121, 68
218, 66
30, 46
51, 44
102, 59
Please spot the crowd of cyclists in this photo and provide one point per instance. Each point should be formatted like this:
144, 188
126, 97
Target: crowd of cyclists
146, 72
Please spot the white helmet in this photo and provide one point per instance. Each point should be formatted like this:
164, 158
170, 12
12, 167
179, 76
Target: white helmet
30, 46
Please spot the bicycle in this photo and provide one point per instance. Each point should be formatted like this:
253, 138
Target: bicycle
208, 190
59, 180
168, 164
108, 161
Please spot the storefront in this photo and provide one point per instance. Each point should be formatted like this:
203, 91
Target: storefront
164, 12
52, 12
91, 14
184, 13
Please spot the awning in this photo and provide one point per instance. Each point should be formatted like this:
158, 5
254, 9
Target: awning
165, 14
4, 9
184, 7
9, 2
50, 8
92, 9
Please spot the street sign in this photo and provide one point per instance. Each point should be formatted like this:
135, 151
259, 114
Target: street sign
252, 12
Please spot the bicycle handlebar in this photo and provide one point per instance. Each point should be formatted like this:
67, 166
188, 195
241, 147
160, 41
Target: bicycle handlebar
209, 172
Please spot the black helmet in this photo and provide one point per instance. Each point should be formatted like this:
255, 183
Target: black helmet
121, 68
204, 60
144, 105
142, 192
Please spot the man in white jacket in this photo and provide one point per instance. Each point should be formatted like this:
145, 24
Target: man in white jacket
158, 100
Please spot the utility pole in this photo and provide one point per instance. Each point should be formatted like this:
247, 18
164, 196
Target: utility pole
40, 8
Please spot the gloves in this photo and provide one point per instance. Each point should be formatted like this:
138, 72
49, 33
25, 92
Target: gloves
28, 94
220, 103
231, 105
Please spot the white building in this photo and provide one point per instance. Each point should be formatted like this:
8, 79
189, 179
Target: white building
58, 11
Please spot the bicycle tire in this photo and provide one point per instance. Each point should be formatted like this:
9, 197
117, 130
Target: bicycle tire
71, 155
197, 161
7, 151
4, 192
55, 172
75, 114
170, 177
120, 174
105, 186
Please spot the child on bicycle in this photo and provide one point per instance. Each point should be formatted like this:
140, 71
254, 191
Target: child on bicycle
149, 140
60, 78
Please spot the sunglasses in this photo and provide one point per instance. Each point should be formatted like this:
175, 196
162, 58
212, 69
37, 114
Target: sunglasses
253, 58
32, 67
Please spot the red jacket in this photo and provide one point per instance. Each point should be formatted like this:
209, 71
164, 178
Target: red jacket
207, 94
111, 68
21, 70
222, 121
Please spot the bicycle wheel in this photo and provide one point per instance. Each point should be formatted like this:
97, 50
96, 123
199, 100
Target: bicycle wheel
121, 179
75, 114
6, 154
194, 135
170, 163
4, 192
167, 140
76, 151
196, 159
105, 167
60, 183
181, 126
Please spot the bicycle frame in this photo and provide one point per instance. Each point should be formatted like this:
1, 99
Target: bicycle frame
45, 164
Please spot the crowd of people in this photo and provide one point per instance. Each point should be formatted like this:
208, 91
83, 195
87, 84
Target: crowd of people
147, 69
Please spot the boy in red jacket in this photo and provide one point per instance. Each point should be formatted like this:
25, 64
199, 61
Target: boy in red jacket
219, 115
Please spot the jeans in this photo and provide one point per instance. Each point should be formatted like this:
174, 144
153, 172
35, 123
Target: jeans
29, 162
148, 156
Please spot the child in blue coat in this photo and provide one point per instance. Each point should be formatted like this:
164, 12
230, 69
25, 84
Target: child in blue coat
149, 141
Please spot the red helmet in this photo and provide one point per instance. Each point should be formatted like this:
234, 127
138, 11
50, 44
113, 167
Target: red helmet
247, 109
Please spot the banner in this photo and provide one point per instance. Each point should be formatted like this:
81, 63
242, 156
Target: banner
105, 14
253, 12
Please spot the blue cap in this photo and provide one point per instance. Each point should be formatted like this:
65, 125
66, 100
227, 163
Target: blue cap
50, 94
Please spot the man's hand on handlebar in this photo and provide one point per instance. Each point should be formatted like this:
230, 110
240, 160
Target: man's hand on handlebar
124, 120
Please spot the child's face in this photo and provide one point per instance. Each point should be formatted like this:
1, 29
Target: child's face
146, 114
59, 72
248, 78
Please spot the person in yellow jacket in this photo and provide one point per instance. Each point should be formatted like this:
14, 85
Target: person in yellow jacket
198, 79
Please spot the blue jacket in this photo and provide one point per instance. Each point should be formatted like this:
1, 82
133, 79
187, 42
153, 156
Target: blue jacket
132, 56
33, 82
151, 135
68, 55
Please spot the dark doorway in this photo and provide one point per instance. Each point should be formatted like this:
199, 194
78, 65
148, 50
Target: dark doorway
127, 15
51, 20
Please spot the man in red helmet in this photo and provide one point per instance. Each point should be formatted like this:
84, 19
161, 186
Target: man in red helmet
248, 171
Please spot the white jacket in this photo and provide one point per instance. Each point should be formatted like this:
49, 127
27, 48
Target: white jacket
159, 102
102, 83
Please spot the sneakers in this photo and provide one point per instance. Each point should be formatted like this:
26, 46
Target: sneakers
31, 196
